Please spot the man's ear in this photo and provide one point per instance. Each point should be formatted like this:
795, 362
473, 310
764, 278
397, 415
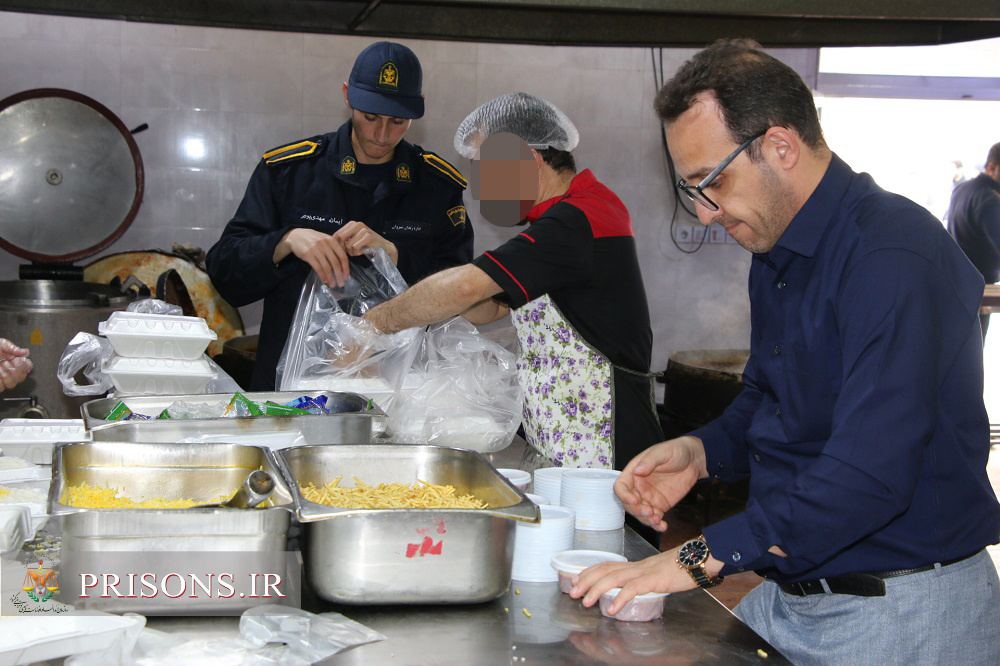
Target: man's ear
783, 146
346, 103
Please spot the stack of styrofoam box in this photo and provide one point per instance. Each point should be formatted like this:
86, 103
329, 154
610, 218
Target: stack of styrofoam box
157, 354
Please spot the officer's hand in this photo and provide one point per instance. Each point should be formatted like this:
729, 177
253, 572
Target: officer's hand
322, 251
14, 364
356, 236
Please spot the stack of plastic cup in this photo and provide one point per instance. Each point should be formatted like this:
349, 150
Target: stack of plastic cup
536, 543
518, 477
548, 483
591, 495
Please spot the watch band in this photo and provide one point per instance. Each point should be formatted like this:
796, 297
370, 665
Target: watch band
702, 579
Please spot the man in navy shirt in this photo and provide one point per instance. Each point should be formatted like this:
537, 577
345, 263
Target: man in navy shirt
861, 425
974, 221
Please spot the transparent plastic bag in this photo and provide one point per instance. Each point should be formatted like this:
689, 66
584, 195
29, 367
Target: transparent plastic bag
468, 395
154, 306
329, 346
308, 636
88, 353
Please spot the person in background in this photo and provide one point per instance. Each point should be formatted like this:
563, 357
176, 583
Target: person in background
974, 221
861, 424
312, 204
570, 281
14, 364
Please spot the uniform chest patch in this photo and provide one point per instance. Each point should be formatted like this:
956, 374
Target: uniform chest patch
403, 172
348, 166
457, 215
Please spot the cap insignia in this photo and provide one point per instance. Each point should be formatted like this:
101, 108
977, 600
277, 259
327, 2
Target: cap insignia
388, 76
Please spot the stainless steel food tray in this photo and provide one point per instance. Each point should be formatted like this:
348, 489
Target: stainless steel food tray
352, 420
200, 471
406, 556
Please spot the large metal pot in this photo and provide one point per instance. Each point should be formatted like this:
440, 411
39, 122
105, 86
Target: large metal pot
44, 315
700, 384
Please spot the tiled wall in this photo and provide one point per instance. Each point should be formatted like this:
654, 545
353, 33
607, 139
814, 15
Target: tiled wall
241, 92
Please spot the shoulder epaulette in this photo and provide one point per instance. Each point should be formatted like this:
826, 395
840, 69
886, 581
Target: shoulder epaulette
292, 151
445, 169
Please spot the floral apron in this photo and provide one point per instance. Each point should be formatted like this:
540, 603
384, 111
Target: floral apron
569, 405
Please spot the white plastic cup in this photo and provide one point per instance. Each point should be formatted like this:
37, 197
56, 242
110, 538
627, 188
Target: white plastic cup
643, 608
518, 477
571, 562
591, 494
536, 543
548, 483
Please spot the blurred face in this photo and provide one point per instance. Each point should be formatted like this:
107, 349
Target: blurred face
755, 206
375, 137
504, 179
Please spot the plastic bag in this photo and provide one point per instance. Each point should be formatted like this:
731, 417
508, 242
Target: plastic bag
308, 636
154, 306
329, 347
469, 395
88, 353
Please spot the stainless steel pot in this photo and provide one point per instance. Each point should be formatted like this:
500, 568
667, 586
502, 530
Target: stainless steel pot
44, 315
406, 556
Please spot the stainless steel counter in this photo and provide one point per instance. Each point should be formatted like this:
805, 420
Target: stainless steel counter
532, 623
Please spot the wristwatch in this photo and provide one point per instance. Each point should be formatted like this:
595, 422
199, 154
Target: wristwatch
692, 556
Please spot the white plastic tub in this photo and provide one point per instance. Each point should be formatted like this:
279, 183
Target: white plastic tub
643, 608
158, 376
32, 439
138, 334
569, 563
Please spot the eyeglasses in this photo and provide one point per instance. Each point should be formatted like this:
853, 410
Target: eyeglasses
697, 192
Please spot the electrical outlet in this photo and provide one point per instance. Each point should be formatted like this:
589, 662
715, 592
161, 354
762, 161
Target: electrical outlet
716, 234
683, 233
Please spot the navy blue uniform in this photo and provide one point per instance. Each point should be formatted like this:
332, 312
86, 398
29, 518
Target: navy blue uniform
414, 201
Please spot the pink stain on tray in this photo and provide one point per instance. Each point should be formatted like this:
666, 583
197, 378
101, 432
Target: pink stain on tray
425, 547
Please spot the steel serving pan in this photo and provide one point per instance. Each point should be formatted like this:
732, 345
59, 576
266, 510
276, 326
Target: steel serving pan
406, 556
352, 420
200, 471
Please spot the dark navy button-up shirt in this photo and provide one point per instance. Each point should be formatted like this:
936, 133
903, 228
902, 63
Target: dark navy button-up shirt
861, 424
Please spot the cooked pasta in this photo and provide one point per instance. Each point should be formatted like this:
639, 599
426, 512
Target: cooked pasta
420, 495
85, 496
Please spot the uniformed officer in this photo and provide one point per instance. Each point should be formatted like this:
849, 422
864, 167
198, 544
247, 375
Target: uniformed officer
313, 203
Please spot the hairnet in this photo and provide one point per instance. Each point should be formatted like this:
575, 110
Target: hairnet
538, 122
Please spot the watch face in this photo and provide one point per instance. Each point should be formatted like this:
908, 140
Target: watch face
693, 553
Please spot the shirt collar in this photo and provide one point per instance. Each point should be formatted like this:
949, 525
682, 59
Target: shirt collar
804, 232
581, 181
405, 154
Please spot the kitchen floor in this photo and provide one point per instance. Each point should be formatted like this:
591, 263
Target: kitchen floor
735, 587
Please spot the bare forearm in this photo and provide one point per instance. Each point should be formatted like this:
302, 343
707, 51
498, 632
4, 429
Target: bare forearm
486, 312
442, 295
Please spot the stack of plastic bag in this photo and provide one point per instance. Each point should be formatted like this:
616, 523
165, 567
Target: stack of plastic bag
446, 385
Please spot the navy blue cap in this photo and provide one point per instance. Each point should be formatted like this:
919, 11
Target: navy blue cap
386, 79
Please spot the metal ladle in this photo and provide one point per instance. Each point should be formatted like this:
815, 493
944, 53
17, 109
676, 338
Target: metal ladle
257, 487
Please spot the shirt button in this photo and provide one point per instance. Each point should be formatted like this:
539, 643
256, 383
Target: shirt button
736, 556
777, 412
782, 285
777, 350
721, 465
756, 457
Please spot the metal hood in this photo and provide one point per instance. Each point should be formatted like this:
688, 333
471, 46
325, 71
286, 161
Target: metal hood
694, 23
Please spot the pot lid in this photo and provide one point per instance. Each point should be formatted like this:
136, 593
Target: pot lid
71, 177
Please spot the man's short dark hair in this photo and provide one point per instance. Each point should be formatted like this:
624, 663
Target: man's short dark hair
559, 160
754, 90
994, 155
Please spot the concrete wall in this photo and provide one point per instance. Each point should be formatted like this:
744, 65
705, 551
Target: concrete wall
242, 92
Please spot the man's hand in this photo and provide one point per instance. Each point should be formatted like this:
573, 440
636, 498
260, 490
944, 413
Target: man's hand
659, 573
659, 477
355, 236
323, 252
14, 364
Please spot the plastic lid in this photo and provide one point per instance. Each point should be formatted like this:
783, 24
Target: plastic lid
157, 366
613, 592
575, 561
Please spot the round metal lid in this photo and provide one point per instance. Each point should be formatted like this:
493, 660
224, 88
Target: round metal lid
71, 177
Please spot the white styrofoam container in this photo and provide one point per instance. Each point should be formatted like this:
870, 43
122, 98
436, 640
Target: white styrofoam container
158, 376
15, 528
29, 473
39, 516
157, 336
27, 640
32, 439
